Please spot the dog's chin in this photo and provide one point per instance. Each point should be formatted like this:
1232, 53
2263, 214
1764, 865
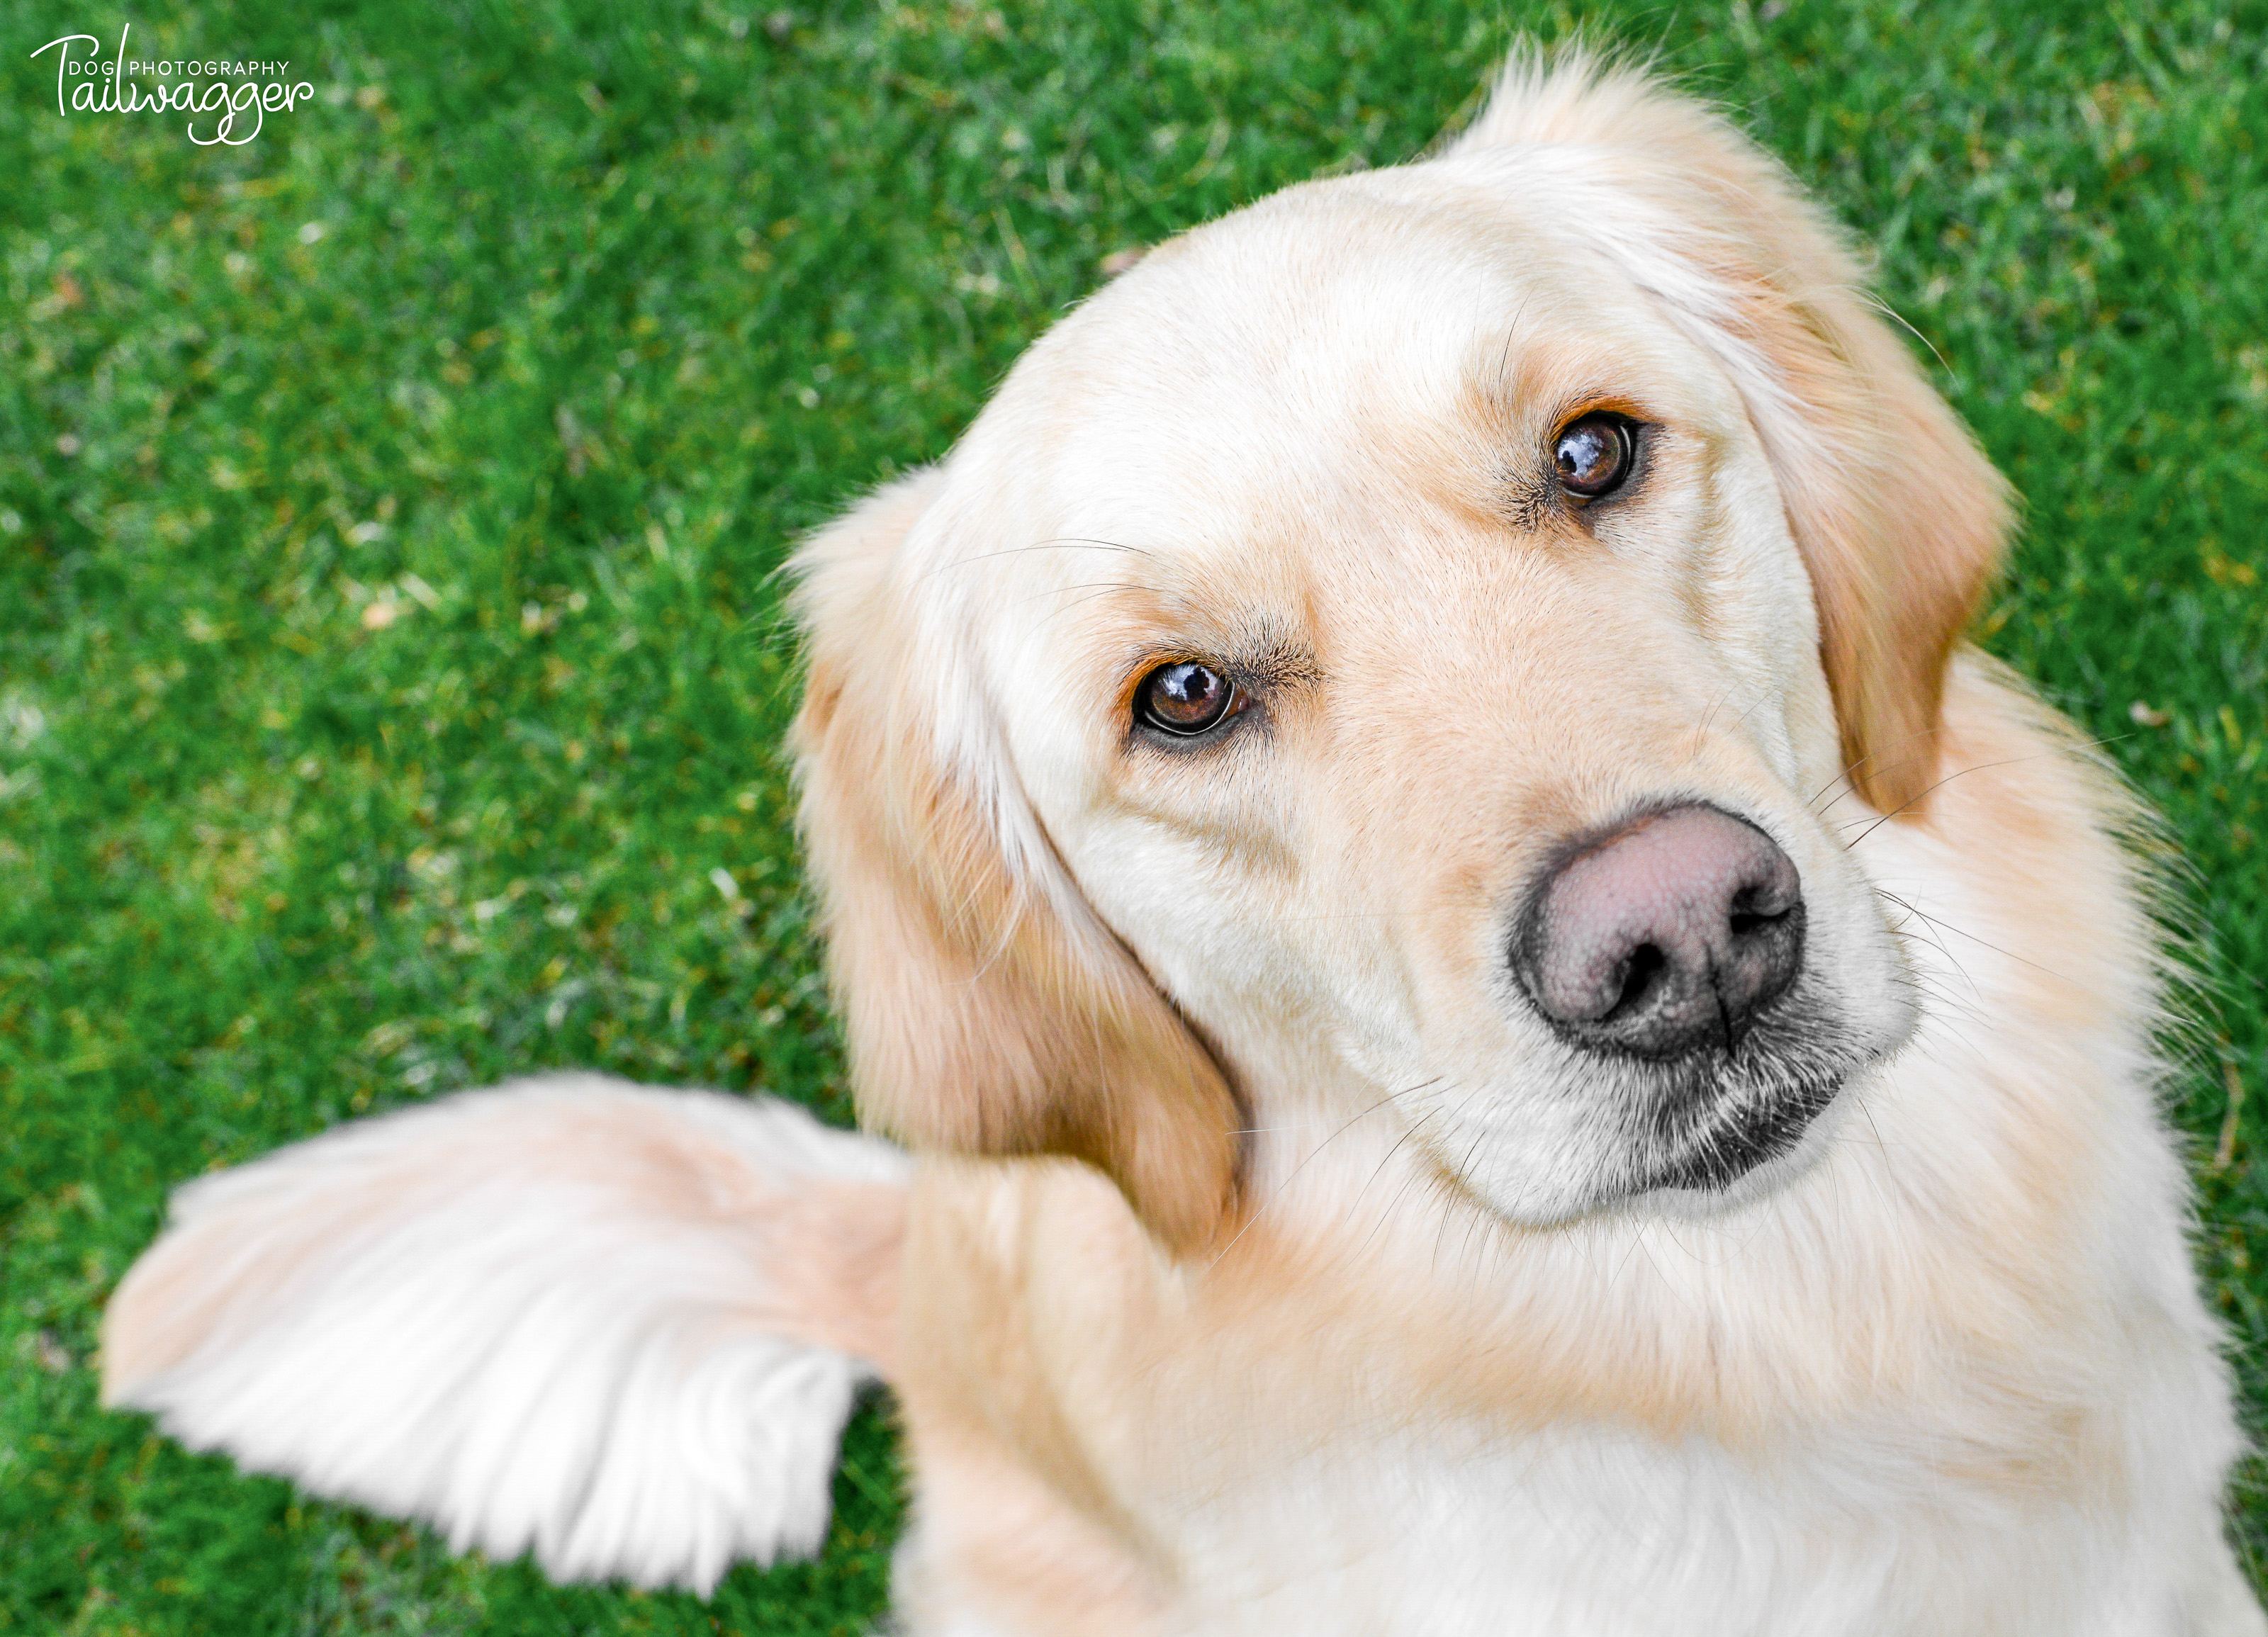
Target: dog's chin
1751, 1149
1694, 1137
1721, 1133
1710, 1134
1754, 1153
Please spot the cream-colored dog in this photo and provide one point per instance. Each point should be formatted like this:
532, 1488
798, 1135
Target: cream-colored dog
1502, 1034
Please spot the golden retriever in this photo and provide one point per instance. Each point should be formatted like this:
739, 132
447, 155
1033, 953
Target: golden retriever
1502, 1031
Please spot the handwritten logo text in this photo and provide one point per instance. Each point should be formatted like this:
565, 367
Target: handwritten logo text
227, 88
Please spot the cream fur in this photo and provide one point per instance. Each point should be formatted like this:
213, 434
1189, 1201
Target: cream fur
565, 1316
1271, 1266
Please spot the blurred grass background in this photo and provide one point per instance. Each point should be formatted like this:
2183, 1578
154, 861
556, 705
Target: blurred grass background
391, 682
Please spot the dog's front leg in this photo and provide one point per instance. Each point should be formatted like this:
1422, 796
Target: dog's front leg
619, 1326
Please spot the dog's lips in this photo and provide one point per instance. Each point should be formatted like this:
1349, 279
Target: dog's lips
1712, 1121
1700, 1135
1729, 1148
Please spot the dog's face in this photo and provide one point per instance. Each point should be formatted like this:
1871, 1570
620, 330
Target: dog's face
1393, 615
1374, 558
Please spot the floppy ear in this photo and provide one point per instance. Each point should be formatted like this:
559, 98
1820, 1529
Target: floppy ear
1899, 517
988, 1010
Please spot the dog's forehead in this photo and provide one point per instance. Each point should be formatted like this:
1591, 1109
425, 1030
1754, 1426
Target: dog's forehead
1365, 340
1324, 402
1331, 302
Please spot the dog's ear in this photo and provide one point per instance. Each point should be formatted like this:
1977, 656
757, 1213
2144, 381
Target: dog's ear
1900, 518
989, 1011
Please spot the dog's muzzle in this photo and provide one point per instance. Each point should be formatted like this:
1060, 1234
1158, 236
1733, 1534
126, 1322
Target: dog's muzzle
1668, 949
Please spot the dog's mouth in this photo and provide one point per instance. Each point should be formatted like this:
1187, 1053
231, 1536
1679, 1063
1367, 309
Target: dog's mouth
1728, 1149
1586, 1133
1704, 1122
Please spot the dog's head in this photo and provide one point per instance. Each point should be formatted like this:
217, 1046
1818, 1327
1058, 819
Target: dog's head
1420, 635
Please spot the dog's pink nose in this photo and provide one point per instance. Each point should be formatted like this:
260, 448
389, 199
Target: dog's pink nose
1666, 937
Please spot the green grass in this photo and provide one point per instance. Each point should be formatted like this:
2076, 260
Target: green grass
388, 657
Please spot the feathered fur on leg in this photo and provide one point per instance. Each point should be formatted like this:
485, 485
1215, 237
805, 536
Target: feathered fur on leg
619, 1326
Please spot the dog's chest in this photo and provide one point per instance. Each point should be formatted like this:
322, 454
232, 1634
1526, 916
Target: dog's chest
1601, 1533
1381, 1444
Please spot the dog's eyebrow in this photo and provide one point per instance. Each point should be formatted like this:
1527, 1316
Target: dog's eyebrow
1259, 651
1277, 658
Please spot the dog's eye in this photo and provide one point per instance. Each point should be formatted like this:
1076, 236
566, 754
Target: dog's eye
1185, 698
1594, 455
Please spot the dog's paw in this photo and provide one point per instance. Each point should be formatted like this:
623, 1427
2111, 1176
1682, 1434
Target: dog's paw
618, 1327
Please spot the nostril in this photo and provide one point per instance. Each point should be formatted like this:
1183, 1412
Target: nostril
1745, 922
1640, 973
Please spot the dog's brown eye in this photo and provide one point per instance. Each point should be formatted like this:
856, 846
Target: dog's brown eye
1594, 456
1184, 698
